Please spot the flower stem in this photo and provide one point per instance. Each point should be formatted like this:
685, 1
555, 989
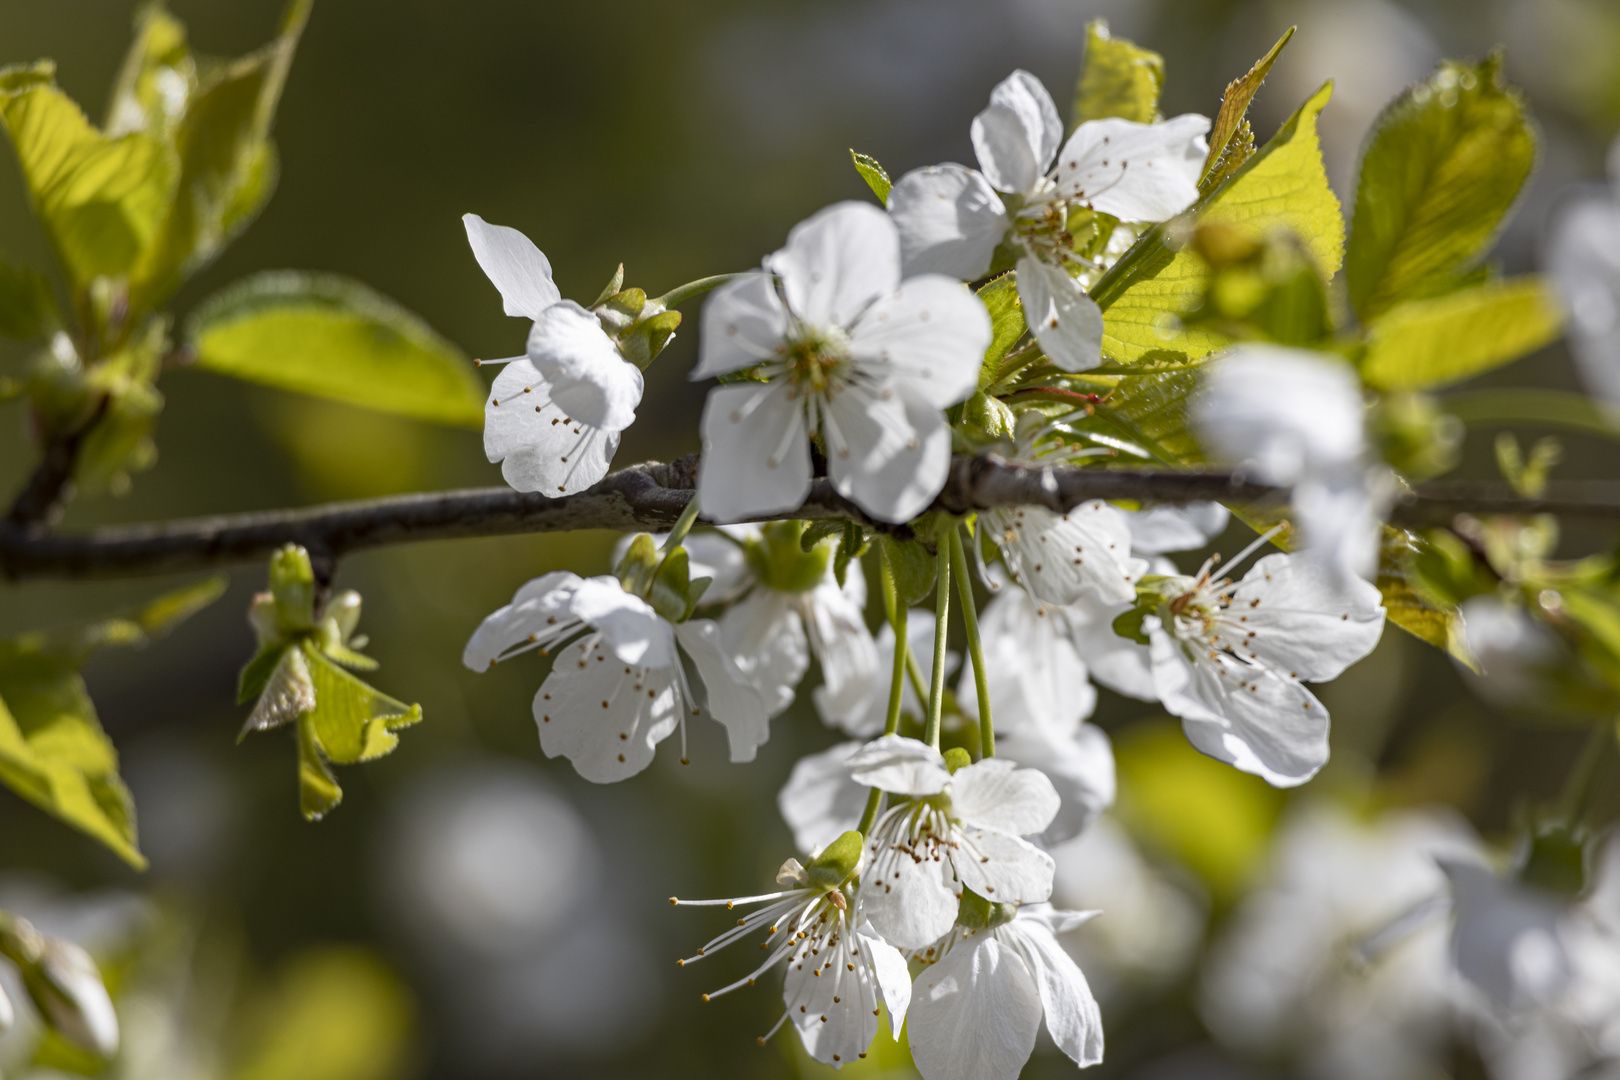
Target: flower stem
942, 613
897, 613
683, 525
970, 619
1582, 782
692, 289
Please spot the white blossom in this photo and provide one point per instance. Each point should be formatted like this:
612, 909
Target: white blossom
1228, 659
618, 686
953, 832
848, 352
1161, 529
1584, 257
1063, 557
952, 219
821, 801
977, 1009
860, 708
553, 416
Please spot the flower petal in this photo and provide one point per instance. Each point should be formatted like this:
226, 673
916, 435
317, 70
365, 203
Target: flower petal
537, 609
892, 975
1081, 769
745, 427
1122, 665
832, 1001
744, 322
540, 447
1067, 322
861, 709
1002, 868
837, 262
604, 717
1036, 679
731, 700
1160, 529
1298, 620
1061, 557
889, 457
950, 221
911, 901
975, 1014
517, 268
821, 801
1583, 254
764, 636
995, 793
1136, 172
589, 380
1072, 1015
835, 617
928, 337
900, 765
1016, 136
632, 630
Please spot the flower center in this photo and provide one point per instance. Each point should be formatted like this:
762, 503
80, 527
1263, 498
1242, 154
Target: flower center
816, 359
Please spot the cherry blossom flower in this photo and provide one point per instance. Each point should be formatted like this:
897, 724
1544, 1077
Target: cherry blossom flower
1062, 557
860, 708
618, 686
1229, 659
840, 973
949, 832
976, 1010
554, 415
952, 219
821, 801
847, 351
1584, 257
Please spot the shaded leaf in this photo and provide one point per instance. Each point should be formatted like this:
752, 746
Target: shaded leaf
912, 566
332, 337
27, 308
873, 174
1119, 78
1552, 408
1424, 343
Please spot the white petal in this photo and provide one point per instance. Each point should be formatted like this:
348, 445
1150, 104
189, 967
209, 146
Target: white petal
820, 802
996, 794
1001, 867
589, 380
1341, 522
861, 709
1136, 172
889, 457
1295, 618
1064, 319
900, 765
540, 447
1072, 1015
838, 261
633, 631
928, 337
714, 556
1036, 679
763, 634
893, 977
606, 721
1583, 255
1081, 768
537, 609
1507, 939
911, 902
974, 1015
842, 644
1121, 664
950, 221
832, 1000
744, 322
1161, 529
1016, 136
1254, 720
1061, 557
745, 427
517, 268
732, 701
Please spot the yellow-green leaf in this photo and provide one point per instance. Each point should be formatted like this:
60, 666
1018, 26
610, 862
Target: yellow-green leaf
1425, 343
1000, 298
1229, 120
1423, 616
158, 76
335, 338
873, 173
27, 308
100, 199
1119, 78
1445, 164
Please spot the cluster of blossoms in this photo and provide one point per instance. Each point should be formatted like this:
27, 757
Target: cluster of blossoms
926, 876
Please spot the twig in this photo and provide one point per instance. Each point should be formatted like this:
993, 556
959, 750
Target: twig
39, 504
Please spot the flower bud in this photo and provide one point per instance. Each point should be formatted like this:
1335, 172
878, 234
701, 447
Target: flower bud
344, 610
66, 987
957, 758
977, 913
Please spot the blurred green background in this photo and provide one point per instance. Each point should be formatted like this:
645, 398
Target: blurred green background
473, 909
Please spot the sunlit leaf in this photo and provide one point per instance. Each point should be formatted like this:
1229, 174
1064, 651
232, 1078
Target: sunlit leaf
1444, 166
1224, 154
158, 77
1425, 343
332, 337
1119, 78
1007, 325
874, 175
1419, 612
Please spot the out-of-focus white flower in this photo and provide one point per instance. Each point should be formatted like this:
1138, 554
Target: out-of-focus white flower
1229, 659
1296, 419
954, 831
839, 971
859, 708
848, 351
1511, 647
976, 1010
1584, 257
621, 688
554, 416
952, 218
821, 801
1159, 530
66, 985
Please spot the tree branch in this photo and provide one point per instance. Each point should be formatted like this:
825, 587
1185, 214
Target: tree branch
40, 503
652, 496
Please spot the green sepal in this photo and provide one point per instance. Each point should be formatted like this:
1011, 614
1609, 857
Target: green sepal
1128, 624
669, 595
817, 531
615, 283
874, 175
837, 862
780, 559
957, 758
977, 913
912, 566
642, 343
640, 563
986, 420
623, 306
852, 547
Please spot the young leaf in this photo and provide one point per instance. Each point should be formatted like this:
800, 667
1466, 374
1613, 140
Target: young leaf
873, 174
1445, 164
1229, 121
1424, 343
1118, 78
100, 199
912, 567
27, 309
1000, 297
335, 338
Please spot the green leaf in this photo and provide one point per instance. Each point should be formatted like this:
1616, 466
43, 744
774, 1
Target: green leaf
352, 721
335, 338
1424, 343
1151, 412
101, 199
1418, 612
1283, 186
1000, 298
1224, 155
27, 308
158, 77
1444, 166
227, 167
1119, 79
873, 174
912, 567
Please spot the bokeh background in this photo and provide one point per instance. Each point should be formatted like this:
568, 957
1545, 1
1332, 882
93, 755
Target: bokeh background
473, 910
